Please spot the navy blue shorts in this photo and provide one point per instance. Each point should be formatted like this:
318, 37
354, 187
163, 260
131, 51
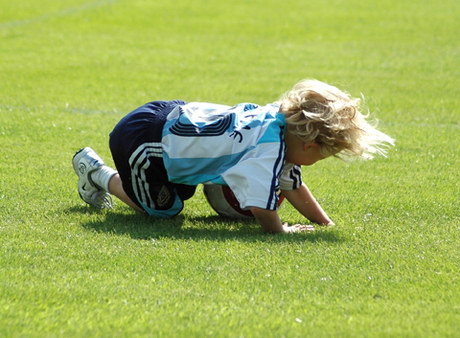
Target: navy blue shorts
135, 143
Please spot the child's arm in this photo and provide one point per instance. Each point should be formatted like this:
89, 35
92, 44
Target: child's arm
270, 222
305, 203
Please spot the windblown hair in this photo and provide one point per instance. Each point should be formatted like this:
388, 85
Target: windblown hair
320, 113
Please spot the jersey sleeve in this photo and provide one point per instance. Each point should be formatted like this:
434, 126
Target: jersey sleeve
291, 177
255, 179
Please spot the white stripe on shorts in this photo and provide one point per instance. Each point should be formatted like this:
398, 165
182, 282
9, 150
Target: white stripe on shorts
139, 162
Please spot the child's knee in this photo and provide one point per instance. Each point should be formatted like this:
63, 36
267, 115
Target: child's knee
185, 192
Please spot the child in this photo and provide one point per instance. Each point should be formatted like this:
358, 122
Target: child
164, 149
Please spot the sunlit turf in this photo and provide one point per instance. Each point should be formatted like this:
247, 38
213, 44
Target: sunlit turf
69, 70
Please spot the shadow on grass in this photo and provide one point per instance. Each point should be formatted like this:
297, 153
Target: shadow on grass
214, 228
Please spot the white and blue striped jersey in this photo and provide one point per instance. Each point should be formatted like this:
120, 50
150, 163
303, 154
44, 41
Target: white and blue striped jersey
240, 146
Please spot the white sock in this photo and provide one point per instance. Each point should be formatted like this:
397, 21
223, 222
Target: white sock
102, 176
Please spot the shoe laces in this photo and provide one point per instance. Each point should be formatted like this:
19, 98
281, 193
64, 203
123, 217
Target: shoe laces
102, 199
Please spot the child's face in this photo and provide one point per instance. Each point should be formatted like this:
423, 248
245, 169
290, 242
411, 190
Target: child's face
307, 155
298, 152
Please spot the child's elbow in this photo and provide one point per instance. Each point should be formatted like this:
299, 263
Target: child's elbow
257, 211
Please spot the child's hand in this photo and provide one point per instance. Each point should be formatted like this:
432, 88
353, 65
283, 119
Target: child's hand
271, 223
297, 228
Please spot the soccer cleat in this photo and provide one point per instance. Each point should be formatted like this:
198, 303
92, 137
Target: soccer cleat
85, 162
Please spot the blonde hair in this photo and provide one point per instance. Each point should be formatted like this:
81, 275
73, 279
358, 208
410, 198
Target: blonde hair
320, 113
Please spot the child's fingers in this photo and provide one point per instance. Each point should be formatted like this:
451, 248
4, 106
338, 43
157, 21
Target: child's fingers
305, 227
298, 228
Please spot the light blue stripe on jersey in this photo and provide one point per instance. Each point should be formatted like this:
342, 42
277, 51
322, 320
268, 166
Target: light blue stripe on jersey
199, 170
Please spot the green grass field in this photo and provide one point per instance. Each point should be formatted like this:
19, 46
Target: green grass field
69, 70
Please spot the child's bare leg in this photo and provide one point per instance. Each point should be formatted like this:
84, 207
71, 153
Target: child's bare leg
116, 189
